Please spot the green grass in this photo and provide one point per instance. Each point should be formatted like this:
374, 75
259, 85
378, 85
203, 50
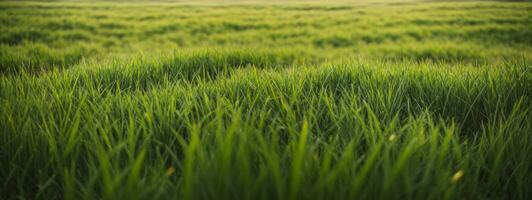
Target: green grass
265, 100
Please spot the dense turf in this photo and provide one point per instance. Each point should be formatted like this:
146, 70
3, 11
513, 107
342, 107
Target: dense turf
299, 100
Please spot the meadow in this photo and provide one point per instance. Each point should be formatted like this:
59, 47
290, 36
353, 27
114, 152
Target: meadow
265, 100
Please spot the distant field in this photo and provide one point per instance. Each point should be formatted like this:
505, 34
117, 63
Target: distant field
265, 100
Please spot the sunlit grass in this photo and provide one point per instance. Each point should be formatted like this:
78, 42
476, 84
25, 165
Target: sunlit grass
265, 101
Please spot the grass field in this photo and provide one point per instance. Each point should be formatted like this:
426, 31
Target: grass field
265, 100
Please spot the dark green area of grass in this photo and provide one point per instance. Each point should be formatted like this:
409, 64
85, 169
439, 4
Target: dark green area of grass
265, 101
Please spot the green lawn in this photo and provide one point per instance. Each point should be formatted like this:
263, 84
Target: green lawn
265, 100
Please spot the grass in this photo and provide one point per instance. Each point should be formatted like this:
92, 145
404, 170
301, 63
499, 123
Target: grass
278, 100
